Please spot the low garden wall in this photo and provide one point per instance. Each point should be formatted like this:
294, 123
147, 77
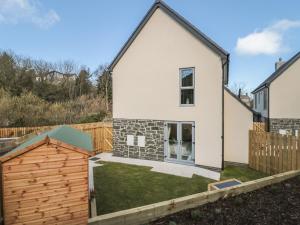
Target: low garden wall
148, 213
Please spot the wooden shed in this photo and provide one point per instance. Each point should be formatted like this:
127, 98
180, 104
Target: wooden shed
45, 180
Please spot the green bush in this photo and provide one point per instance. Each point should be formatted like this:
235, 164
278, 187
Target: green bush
98, 117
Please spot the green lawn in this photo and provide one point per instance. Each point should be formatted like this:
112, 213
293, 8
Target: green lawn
241, 173
120, 186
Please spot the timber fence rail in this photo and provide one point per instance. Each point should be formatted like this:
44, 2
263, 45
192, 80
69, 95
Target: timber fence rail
273, 153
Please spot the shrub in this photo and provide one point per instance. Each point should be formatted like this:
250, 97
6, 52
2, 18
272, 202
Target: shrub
30, 110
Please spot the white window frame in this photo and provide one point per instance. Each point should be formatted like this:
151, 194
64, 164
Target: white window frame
186, 88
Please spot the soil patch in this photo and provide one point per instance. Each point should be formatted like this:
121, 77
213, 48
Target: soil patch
275, 204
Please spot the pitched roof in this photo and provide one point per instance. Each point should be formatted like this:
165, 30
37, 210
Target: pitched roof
182, 21
277, 73
64, 134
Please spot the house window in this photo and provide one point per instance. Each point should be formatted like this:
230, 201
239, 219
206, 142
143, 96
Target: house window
187, 86
259, 93
255, 101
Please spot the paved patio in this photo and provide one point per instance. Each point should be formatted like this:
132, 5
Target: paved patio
162, 167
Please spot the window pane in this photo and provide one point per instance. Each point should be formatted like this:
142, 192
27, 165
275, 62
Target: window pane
187, 141
172, 142
187, 78
187, 96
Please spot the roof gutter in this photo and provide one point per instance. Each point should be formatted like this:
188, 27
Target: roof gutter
260, 88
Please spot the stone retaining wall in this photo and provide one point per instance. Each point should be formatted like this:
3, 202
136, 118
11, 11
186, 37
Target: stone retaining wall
153, 130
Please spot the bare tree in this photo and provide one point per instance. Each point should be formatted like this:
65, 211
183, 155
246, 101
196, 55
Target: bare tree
104, 84
238, 88
68, 67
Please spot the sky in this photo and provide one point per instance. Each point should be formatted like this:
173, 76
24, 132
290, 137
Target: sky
91, 32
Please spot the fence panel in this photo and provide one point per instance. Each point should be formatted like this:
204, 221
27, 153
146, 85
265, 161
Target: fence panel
102, 138
259, 126
273, 153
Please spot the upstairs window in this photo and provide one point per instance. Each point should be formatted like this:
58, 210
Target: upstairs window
187, 86
255, 101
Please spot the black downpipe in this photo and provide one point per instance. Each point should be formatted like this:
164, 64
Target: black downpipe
223, 79
268, 119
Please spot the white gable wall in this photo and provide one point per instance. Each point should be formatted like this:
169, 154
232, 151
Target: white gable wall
285, 93
146, 83
238, 120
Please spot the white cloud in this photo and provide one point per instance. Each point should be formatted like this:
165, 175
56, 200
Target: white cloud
268, 41
28, 11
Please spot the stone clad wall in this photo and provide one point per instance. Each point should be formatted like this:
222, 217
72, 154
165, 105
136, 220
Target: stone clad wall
153, 130
277, 124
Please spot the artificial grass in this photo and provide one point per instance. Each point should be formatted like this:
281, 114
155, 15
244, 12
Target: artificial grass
121, 186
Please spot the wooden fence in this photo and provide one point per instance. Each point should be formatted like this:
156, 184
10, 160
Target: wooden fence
101, 133
21, 131
259, 126
273, 153
102, 138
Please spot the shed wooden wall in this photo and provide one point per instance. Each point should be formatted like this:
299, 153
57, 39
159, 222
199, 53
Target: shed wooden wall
48, 185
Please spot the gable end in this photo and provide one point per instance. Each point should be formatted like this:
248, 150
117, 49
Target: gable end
277, 73
183, 22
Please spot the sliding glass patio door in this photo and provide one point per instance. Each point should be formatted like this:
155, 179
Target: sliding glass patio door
180, 141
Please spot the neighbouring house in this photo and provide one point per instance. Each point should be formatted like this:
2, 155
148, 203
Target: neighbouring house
45, 179
56, 77
276, 99
168, 92
245, 98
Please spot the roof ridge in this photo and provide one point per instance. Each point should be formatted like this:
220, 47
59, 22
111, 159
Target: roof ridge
193, 26
278, 72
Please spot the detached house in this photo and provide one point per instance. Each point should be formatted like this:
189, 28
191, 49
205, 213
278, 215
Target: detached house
277, 98
168, 93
